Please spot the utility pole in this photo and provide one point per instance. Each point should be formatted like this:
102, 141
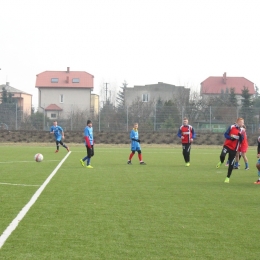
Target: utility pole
106, 90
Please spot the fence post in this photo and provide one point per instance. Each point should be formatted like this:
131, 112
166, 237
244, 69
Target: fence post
210, 118
71, 117
154, 127
15, 116
99, 118
127, 118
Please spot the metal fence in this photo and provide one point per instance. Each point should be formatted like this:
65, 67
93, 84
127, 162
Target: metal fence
151, 118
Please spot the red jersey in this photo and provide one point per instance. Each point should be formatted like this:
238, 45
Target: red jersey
187, 132
244, 144
233, 137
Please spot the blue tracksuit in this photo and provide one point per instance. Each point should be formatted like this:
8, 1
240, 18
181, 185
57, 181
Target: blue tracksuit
135, 146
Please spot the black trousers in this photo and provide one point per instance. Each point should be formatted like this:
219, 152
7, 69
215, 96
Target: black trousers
186, 152
231, 158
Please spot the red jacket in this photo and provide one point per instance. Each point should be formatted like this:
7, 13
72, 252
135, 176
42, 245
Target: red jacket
234, 137
187, 132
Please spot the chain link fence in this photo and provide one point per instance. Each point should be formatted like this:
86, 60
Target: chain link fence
151, 118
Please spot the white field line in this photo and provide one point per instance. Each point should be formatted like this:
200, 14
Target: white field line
12, 226
29, 161
17, 184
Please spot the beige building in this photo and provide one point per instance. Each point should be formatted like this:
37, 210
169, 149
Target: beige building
95, 104
62, 92
21, 98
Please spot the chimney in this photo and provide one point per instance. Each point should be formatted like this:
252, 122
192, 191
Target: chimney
68, 79
225, 78
68, 69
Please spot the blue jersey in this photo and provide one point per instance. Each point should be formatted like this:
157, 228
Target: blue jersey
88, 132
134, 144
57, 132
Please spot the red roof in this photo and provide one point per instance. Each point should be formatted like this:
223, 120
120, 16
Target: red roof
64, 79
214, 85
53, 107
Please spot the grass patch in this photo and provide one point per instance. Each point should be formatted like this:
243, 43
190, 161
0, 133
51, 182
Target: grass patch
162, 210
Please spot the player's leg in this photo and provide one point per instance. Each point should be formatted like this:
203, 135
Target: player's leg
89, 152
82, 161
140, 157
188, 148
231, 158
236, 160
222, 156
258, 172
243, 154
65, 146
185, 153
131, 156
57, 146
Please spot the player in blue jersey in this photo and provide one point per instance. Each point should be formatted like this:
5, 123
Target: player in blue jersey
58, 133
135, 145
89, 143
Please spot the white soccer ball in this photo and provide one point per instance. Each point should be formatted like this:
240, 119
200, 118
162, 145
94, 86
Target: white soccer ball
38, 157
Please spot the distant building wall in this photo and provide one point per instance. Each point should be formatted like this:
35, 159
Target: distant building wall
67, 99
153, 92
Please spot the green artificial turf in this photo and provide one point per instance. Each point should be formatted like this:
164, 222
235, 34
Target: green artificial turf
162, 210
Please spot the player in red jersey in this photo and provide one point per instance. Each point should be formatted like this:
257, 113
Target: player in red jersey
234, 136
187, 134
242, 151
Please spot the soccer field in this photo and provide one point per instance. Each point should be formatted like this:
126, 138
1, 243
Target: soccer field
162, 210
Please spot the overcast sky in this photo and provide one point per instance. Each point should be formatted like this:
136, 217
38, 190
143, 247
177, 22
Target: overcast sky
180, 42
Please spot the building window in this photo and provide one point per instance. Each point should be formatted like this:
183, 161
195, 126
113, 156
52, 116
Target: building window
145, 97
53, 116
54, 80
61, 98
75, 80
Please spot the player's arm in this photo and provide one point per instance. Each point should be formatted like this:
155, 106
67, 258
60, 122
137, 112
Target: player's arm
86, 138
193, 133
179, 134
52, 130
227, 134
87, 141
61, 131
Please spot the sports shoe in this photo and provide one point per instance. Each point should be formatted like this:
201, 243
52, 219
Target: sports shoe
227, 164
257, 182
89, 166
187, 164
219, 164
142, 163
235, 168
129, 162
82, 163
247, 168
226, 180
56, 151
68, 149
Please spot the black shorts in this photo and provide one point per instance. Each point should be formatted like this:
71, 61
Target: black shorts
226, 150
90, 151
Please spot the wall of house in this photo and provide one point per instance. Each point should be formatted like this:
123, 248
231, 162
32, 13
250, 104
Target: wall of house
161, 90
27, 104
73, 99
95, 103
